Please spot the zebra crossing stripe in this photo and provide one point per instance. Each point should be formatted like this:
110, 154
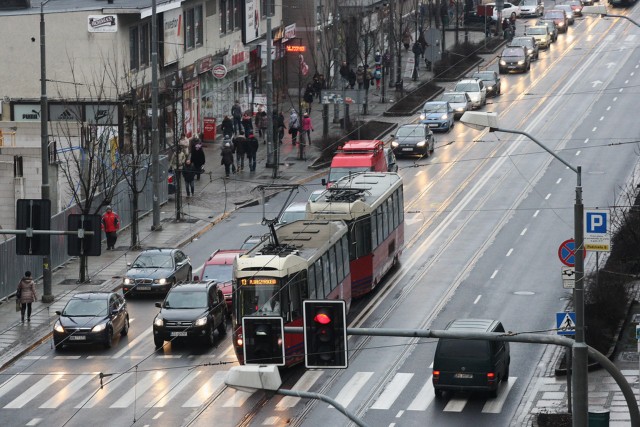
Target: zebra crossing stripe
13, 382
352, 388
67, 391
236, 399
392, 391
33, 391
132, 343
93, 399
207, 390
305, 382
138, 389
424, 398
175, 388
494, 406
455, 404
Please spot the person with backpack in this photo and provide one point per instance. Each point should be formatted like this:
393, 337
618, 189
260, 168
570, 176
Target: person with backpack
236, 114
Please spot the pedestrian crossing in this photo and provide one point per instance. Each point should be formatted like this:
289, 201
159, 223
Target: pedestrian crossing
192, 388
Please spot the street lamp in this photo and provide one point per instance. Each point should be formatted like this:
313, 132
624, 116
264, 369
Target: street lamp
479, 120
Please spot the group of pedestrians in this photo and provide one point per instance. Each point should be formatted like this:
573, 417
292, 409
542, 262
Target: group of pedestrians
241, 146
189, 162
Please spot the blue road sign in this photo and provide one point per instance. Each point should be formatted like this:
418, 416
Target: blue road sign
596, 222
566, 323
596, 230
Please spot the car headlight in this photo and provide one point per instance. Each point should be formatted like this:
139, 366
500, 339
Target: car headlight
521, 62
127, 281
444, 117
99, 328
489, 87
394, 144
158, 321
423, 116
421, 143
503, 62
201, 321
58, 327
530, 50
160, 281
460, 110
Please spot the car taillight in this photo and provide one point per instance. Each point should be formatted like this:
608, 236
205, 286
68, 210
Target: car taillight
436, 376
491, 377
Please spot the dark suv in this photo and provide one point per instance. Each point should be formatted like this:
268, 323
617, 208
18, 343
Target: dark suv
514, 58
191, 310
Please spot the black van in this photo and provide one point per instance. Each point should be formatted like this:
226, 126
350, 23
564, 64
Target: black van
471, 365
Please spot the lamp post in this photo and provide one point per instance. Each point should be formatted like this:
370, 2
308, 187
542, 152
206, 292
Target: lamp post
478, 120
155, 143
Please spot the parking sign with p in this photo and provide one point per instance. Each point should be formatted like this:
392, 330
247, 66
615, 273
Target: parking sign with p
596, 230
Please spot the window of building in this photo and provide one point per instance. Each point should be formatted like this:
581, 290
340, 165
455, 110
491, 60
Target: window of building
263, 8
194, 32
140, 45
237, 10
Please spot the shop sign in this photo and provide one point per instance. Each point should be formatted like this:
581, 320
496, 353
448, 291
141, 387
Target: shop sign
26, 112
103, 23
173, 34
219, 71
64, 113
289, 33
252, 19
189, 72
102, 114
204, 64
295, 49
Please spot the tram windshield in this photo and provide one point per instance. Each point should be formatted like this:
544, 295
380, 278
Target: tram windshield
259, 297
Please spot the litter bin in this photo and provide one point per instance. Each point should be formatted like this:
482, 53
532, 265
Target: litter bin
598, 417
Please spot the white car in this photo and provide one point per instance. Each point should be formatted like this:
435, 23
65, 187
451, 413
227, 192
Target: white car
531, 8
475, 88
507, 10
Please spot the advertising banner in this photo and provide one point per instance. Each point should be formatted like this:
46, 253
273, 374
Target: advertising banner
173, 34
252, 30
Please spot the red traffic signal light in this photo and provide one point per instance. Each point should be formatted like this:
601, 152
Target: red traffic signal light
325, 334
322, 318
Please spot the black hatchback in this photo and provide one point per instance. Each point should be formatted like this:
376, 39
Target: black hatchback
514, 58
91, 317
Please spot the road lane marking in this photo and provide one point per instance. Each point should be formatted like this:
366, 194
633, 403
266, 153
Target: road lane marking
175, 388
424, 397
477, 299
455, 404
601, 118
34, 422
578, 153
594, 129
34, 391
305, 382
399, 414
523, 232
138, 389
13, 382
547, 197
494, 406
494, 274
559, 181
510, 252
535, 214
132, 343
63, 395
392, 391
158, 415
352, 388
212, 386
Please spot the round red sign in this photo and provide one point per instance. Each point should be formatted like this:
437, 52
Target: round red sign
219, 71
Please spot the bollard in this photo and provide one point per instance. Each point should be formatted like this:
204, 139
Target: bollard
599, 417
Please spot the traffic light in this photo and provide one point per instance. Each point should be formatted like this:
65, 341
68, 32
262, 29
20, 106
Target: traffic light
263, 340
87, 245
34, 214
325, 334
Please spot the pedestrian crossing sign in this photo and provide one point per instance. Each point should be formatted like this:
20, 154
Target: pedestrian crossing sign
566, 323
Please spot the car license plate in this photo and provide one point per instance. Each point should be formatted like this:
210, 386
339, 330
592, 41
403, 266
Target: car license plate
407, 149
143, 288
77, 338
464, 376
179, 334
433, 125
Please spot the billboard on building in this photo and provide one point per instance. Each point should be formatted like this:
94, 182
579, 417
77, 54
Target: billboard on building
103, 23
252, 18
173, 33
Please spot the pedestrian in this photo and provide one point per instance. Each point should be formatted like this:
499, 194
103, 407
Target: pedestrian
246, 122
227, 159
407, 39
368, 77
377, 74
377, 58
386, 62
280, 126
252, 151
352, 78
198, 159
110, 225
344, 73
360, 77
240, 147
236, 114
26, 294
183, 143
227, 127
189, 175
294, 126
261, 125
305, 136
308, 96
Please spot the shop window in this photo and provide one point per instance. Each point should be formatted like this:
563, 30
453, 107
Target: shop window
193, 34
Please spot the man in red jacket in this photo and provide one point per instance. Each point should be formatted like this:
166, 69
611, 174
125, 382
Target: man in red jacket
110, 225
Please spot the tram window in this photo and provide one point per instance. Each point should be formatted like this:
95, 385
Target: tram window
401, 204
318, 269
353, 238
333, 267
374, 230
311, 281
325, 275
295, 294
339, 262
385, 219
286, 302
380, 226
394, 211
345, 254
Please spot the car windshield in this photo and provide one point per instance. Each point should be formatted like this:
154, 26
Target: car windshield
186, 299
336, 173
86, 308
529, 3
259, 300
467, 87
454, 97
520, 42
219, 272
555, 14
435, 108
534, 30
153, 261
463, 349
410, 131
512, 52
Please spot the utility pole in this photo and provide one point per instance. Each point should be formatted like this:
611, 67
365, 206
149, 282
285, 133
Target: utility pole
155, 143
272, 148
47, 295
